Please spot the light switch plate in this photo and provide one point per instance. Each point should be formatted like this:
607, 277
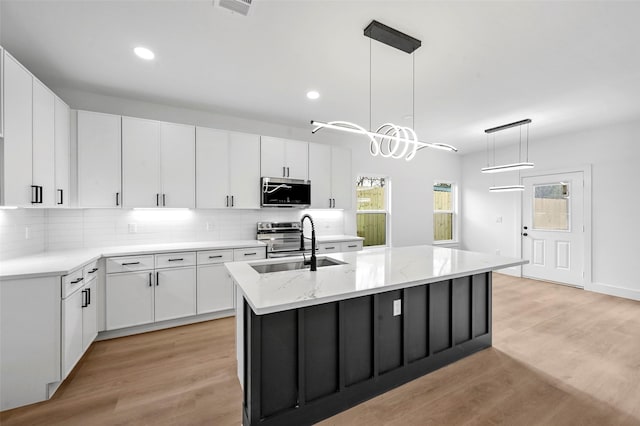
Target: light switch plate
133, 228
397, 307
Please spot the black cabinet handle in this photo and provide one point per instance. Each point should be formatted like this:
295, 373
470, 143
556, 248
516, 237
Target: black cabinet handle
353, 246
130, 263
84, 299
36, 194
40, 199
117, 198
157, 200
149, 279
164, 200
232, 201
283, 172
227, 202
92, 271
250, 254
329, 248
215, 257
178, 259
157, 279
77, 281
88, 296
61, 192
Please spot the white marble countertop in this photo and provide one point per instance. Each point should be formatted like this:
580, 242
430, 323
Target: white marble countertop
62, 262
365, 272
337, 238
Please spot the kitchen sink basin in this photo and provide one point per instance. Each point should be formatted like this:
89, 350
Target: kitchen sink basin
295, 265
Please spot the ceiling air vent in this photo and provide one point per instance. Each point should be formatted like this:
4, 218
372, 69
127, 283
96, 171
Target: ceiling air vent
238, 6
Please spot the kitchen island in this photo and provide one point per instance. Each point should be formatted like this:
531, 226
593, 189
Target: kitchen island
312, 344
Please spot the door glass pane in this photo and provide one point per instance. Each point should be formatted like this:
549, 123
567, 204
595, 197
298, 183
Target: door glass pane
551, 207
442, 226
373, 228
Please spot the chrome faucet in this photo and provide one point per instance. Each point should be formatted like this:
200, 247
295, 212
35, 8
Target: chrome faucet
312, 261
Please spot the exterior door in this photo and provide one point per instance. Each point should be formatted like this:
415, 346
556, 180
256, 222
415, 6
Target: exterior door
553, 228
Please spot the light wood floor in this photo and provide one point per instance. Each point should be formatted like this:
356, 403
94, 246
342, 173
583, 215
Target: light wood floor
561, 356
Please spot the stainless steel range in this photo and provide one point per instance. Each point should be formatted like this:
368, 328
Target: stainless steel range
282, 239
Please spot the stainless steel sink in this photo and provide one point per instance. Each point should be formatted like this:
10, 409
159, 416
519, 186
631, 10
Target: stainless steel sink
295, 265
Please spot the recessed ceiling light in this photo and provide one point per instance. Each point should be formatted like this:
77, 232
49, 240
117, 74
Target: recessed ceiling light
144, 53
312, 94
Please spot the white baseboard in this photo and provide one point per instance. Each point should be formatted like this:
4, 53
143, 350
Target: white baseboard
611, 290
112, 334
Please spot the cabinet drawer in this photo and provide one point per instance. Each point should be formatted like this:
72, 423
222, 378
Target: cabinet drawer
129, 263
351, 246
90, 271
249, 253
214, 256
329, 248
171, 260
72, 282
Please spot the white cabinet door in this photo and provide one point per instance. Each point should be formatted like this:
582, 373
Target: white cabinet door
90, 314
320, 175
18, 131
215, 289
351, 245
297, 159
99, 160
72, 347
212, 168
62, 152
342, 185
178, 165
129, 299
44, 143
244, 170
140, 163
175, 293
272, 157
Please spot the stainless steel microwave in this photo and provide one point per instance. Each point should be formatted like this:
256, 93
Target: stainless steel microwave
281, 192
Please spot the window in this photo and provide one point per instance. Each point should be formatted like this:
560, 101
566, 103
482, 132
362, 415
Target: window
372, 194
444, 212
551, 208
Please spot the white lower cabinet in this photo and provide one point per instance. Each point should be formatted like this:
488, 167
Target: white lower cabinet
175, 293
215, 289
129, 299
351, 245
337, 247
329, 248
79, 314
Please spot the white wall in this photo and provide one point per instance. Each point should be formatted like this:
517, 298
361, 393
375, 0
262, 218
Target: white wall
22, 232
614, 153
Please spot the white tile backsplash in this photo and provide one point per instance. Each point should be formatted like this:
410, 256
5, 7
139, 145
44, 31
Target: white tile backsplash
61, 229
106, 227
13, 232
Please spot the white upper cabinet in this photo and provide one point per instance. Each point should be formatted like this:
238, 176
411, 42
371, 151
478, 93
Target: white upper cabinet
330, 176
342, 182
177, 165
18, 127
140, 163
1, 92
320, 175
99, 156
62, 152
158, 164
44, 144
227, 169
284, 158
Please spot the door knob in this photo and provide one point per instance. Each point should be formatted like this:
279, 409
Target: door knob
525, 234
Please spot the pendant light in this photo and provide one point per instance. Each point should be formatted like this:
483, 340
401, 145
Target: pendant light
500, 168
389, 140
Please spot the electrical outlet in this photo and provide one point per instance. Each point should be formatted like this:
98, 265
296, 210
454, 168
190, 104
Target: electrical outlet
499, 219
209, 226
133, 228
498, 252
27, 233
397, 307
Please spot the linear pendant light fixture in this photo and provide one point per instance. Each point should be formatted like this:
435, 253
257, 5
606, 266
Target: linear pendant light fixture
521, 165
389, 140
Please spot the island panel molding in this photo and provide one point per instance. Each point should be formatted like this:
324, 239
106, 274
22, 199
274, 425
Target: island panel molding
305, 364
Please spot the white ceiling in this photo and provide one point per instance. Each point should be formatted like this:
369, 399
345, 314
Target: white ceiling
566, 65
